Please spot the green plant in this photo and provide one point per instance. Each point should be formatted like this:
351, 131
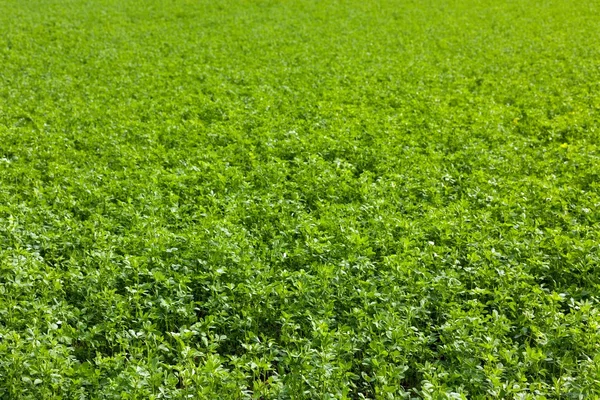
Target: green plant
299, 200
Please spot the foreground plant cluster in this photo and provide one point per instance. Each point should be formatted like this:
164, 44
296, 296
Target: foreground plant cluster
299, 199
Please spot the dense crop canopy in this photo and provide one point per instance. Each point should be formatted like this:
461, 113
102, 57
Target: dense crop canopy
299, 199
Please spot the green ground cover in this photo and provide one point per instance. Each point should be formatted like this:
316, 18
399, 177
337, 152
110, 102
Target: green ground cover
299, 199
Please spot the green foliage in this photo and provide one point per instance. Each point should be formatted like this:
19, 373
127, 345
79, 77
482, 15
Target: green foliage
299, 199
